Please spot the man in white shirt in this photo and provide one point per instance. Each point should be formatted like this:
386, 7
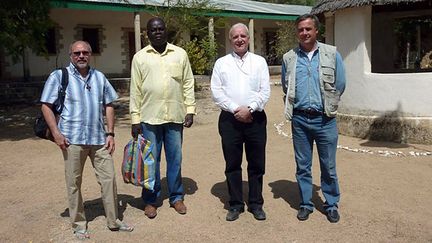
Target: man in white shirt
240, 87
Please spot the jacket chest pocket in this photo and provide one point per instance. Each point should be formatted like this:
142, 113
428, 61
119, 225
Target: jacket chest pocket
328, 78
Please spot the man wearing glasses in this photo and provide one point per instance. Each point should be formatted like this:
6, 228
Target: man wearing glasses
80, 132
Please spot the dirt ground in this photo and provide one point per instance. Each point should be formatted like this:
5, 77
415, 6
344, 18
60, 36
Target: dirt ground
384, 198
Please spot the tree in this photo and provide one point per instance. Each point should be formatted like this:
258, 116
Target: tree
24, 24
285, 35
191, 17
285, 38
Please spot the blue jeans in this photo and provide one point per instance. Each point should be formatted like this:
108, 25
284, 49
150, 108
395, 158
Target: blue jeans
171, 135
323, 130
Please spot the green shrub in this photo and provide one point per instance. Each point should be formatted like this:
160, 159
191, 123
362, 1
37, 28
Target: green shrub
202, 55
197, 56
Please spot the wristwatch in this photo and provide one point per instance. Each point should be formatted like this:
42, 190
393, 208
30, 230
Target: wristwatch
110, 134
250, 109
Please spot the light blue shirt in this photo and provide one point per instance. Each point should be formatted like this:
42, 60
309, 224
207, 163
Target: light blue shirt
81, 121
308, 93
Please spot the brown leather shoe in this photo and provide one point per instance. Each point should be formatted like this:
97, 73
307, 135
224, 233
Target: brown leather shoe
150, 211
179, 207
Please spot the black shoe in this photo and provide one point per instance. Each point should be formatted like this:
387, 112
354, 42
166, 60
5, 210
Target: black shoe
258, 213
234, 213
333, 216
303, 214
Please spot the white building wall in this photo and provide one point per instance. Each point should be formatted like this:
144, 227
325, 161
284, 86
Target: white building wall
109, 61
371, 93
112, 59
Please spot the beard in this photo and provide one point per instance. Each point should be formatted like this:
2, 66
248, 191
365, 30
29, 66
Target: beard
81, 65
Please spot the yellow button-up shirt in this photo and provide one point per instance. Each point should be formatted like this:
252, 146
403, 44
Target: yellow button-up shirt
162, 86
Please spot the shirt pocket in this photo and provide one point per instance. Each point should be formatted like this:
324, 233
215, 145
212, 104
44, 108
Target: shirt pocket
255, 82
176, 71
328, 78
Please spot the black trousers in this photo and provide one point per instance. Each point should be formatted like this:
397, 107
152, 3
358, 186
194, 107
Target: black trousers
254, 137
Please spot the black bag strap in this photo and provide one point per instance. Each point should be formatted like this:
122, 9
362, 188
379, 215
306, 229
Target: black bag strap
62, 91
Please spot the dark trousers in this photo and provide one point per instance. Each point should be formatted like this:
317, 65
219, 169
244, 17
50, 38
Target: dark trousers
254, 136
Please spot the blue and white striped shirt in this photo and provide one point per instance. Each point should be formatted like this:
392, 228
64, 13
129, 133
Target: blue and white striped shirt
81, 121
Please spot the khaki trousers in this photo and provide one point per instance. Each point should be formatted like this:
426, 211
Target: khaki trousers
102, 162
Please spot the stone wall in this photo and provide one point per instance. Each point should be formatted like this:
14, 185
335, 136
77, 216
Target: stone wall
20, 92
387, 128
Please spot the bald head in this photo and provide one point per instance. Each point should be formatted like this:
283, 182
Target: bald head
80, 42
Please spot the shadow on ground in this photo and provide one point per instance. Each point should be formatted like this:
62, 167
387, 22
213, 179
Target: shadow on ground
220, 190
16, 122
284, 189
94, 208
288, 191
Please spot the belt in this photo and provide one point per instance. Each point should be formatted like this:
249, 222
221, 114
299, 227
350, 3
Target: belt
309, 112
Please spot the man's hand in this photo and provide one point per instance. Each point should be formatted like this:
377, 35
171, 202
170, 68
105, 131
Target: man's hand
60, 140
136, 129
188, 120
242, 114
110, 144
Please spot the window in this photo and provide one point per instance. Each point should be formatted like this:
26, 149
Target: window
270, 48
413, 42
91, 35
401, 38
50, 41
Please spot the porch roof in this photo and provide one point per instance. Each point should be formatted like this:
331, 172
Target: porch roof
223, 8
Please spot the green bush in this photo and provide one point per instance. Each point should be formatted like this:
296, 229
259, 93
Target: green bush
202, 55
197, 56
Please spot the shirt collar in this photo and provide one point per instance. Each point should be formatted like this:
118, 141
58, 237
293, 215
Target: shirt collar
237, 57
76, 72
169, 47
305, 52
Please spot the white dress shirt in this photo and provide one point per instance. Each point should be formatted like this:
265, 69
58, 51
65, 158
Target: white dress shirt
239, 82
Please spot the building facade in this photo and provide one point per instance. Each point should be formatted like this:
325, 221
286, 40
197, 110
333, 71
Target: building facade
387, 50
115, 28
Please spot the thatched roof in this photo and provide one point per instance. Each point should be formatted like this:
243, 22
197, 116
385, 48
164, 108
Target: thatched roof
332, 5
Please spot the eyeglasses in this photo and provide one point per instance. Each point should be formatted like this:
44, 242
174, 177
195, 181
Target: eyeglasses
78, 53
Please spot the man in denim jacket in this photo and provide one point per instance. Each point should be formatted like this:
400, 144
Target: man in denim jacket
313, 79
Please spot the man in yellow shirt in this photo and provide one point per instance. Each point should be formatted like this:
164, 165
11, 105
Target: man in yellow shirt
162, 101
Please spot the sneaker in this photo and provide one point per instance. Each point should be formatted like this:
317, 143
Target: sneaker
234, 214
333, 216
303, 214
122, 227
258, 213
82, 234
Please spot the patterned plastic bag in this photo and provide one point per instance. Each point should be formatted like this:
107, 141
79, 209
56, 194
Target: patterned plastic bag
138, 166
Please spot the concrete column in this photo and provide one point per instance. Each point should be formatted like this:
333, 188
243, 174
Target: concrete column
211, 36
251, 34
211, 30
137, 26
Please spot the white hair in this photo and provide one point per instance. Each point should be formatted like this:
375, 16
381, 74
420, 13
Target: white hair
237, 26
